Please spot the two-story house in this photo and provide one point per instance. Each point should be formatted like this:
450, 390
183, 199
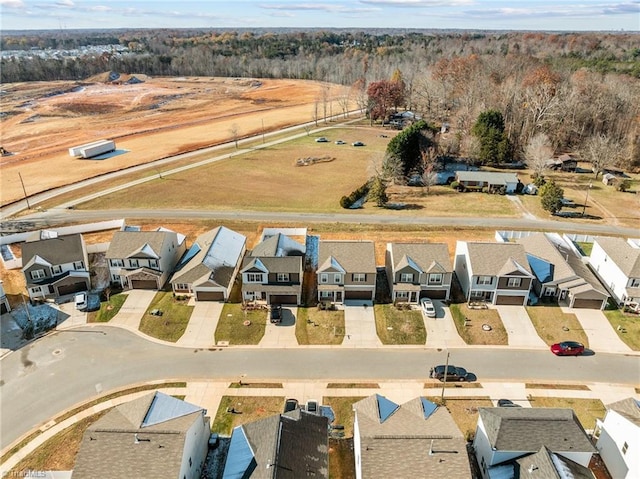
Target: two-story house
55, 266
144, 259
208, 270
346, 270
418, 270
273, 271
560, 273
617, 264
619, 438
497, 273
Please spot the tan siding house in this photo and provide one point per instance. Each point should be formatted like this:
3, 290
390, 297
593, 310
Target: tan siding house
346, 271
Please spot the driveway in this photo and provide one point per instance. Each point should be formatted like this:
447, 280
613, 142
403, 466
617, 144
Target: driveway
134, 307
360, 325
69, 316
519, 328
441, 330
202, 324
281, 335
602, 337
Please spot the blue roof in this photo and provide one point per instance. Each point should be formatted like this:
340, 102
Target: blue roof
385, 408
327, 411
541, 268
165, 408
240, 459
428, 408
194, 250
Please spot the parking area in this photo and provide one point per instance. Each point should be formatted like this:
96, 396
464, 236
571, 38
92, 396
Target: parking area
360, 325
441, 330
133, 309
519, 328
601, 335
283, 334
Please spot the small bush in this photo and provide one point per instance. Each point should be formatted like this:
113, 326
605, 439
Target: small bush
455, 185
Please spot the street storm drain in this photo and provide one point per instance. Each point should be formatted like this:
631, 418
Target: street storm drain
56, 352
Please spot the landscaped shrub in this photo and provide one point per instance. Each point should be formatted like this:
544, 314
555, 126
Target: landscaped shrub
455, 185
348, 201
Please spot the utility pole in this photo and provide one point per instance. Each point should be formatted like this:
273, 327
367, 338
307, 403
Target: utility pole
26, 198
444, 379
584, 207
262, 130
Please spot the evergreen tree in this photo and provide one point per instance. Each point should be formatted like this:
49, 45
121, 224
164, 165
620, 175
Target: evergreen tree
493, 142
551, 197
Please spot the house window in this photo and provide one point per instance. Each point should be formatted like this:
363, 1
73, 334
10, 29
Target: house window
37, 289
514, 282
37, 274
359, 277
117, 263
435, 278
283, 277
635, 282
153, 263
406, 278
115, 277
402, 294
133, 263
485, 280
326, 294
57, 269
182, 286
254, 277
625, 446
337, 278
324, 278
78, 265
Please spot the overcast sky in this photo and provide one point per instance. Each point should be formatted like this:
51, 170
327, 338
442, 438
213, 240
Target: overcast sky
566, 15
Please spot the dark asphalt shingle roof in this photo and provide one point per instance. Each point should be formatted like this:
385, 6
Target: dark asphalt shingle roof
353, 256
423, 254
495, 259
548, 465
60, 250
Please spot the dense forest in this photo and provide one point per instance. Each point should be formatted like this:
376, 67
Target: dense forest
558, 91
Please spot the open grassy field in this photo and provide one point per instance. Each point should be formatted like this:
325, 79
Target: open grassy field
472, 331
173, 322
314, 326
554, 325
399, 326
627, 326
246, 409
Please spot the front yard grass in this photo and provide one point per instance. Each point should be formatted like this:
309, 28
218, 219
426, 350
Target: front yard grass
108, 309
587, 410
554, 325
247, 409
399, 327
627, 326
231, 326
464, 411
343, 410
174, 320
472, 332
314, 326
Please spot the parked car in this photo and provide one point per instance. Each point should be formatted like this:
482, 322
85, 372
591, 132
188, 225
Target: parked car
80, 300
507, 403
312, 407
276, 314
453, 373
357, 143
322, 139
290, 405
340, 142
568, 348
427, 308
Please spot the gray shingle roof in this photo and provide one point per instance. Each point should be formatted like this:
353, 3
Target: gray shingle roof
353, 256
288, 264
528, 429
60, 250
423, 254
623, 254
548, 465
628, 408
494, 259
130, 244
487, 176
278, 245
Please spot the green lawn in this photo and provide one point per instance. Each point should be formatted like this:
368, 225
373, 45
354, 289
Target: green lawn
108, 309
231, 326
553, 325
173, 322
587, 410
471, 331
464, 411
343, 409
629, 325
247, 409
399, 326
314, 326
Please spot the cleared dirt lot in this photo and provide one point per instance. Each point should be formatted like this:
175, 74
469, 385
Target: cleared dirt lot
154, 119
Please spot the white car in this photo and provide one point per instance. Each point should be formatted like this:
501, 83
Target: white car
81, 301
322, 139
427, 308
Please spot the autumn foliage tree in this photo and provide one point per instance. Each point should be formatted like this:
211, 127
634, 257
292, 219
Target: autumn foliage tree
384, 96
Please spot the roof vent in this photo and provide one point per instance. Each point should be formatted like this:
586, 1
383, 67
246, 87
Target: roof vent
532, 468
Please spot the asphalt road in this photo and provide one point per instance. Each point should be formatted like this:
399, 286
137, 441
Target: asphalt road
65, 368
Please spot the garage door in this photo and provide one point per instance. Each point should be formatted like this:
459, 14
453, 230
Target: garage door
71, 288
144, 284
587, 303
357, 295
436, 294
283, 299
516, 300
210, 296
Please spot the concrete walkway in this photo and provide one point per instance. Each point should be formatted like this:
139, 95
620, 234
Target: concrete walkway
133, 309
519, 328
281, 335
360, 326
202, 324
598, 329
441, 331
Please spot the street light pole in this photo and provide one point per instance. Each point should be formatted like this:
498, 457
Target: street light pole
444, 379
584, 207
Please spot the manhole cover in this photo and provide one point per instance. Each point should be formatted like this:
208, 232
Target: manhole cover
56, 352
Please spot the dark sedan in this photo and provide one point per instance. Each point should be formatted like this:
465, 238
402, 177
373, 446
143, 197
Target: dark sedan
568, 348
453, 373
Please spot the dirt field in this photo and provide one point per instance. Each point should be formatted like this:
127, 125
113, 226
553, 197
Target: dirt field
153, 119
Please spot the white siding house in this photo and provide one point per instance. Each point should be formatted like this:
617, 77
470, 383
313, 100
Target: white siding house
619, 439
617, 263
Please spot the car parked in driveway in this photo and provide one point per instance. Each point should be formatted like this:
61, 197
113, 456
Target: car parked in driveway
275, 314
80, 300
313, 407
290, 405
507, 403
568, 348
428, 309
453, 373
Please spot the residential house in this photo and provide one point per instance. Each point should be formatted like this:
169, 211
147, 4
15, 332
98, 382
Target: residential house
5, 307
561, 274
273, 271
346, 270
619, 438
548, 465
415, 439
154, 436
208, 270
497, 273
55, 266
563, 162
617, 264
492, 181
144, 259
506, 434
418, 270
290, 445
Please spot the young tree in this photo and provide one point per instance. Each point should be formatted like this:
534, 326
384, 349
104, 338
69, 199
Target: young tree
234, 130
378, 191
537, 152
601, 152
551, 197
493, 143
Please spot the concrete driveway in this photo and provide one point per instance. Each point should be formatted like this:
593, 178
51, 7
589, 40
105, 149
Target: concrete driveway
360, 325
441, 330
519, 328
602, 337
134, 307
202, 324
69, 316
281, 335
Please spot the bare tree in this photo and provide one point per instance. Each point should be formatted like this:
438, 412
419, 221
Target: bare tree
315, 112
344, 100
235, 133
537, 152
429, 176
324, 96
601, 152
